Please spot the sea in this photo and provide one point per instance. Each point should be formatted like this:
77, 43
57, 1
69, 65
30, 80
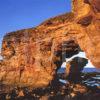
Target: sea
85, 70
92, 80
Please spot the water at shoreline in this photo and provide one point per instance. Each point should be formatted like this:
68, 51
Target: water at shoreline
87, 89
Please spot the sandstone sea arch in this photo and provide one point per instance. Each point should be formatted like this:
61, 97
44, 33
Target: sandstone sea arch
32, 56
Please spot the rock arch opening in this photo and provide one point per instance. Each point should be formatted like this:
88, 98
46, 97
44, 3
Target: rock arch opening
64, 50
70, 61
67, 56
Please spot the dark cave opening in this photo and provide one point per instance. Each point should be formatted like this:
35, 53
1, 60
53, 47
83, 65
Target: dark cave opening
65, 50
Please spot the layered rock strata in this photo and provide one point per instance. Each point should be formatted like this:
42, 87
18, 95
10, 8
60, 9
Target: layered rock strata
32, 56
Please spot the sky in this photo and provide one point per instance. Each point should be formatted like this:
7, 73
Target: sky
21, 14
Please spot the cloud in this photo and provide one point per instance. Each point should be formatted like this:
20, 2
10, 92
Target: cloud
80, 54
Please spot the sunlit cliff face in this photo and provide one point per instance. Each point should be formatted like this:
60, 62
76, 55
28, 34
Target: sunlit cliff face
87, 14
33, 56
85, 8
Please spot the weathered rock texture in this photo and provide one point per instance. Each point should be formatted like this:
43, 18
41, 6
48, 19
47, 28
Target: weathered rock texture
31, 56
74, 69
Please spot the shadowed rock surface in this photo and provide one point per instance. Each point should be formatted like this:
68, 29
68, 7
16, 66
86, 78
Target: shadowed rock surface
74, 69
32, 56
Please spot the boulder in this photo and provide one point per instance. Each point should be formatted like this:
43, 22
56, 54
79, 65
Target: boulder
74, 69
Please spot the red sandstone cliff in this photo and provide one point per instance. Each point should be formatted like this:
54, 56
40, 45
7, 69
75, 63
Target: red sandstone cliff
31, 56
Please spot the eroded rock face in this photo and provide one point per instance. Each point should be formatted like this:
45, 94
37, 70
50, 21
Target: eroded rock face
87, 14
32, 56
